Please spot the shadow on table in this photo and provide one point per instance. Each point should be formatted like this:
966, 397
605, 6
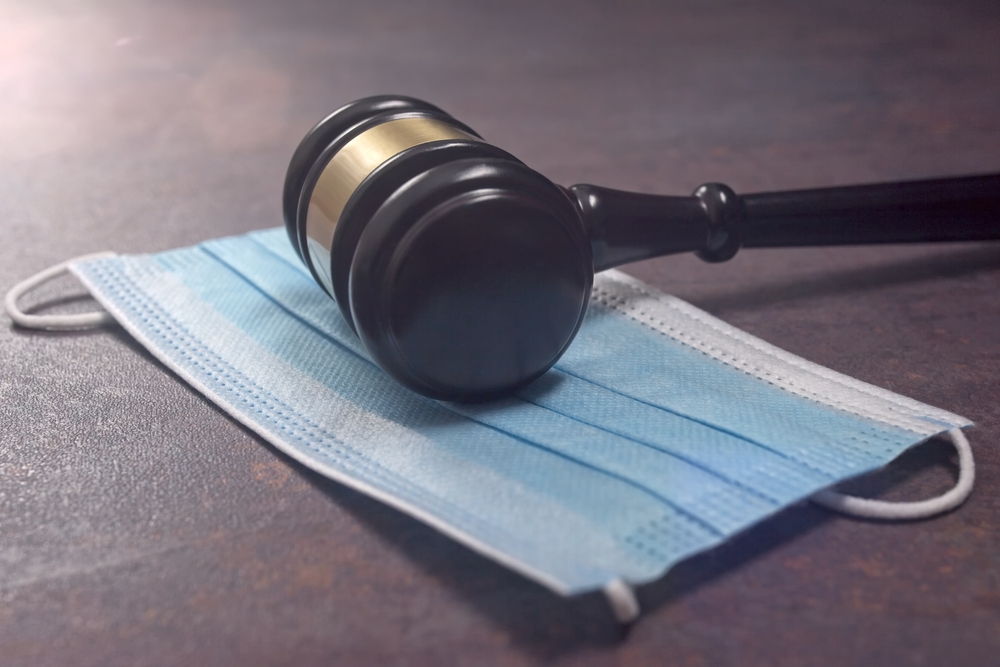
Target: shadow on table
950, 263
535, 619
547, 625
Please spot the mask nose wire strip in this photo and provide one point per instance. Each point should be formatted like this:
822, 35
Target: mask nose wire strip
881, 509
53, 322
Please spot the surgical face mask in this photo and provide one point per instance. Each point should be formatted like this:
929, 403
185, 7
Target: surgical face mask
659, 434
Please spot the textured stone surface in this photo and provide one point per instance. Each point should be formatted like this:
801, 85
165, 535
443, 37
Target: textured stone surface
139, 525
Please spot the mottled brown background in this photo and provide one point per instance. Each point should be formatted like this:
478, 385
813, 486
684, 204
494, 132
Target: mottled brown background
141, 526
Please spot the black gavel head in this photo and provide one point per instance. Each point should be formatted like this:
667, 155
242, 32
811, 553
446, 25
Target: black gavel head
465, 273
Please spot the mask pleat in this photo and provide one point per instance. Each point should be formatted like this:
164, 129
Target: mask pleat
642, 446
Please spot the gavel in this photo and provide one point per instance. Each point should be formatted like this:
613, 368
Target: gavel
466, 274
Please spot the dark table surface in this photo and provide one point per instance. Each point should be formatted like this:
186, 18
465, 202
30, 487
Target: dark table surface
140, 525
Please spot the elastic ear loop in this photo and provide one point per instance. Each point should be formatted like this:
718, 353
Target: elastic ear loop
621, 598
53, 322
881, 509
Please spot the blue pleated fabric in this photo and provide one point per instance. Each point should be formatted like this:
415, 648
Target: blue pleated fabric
659, 434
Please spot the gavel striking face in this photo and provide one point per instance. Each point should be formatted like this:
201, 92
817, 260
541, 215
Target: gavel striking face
466, 274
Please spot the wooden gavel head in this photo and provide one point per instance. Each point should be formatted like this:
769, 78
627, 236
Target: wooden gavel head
465, 273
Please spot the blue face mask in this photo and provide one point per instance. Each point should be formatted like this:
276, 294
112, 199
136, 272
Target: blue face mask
659, 434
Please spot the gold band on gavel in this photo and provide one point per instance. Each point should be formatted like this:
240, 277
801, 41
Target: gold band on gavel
351, 165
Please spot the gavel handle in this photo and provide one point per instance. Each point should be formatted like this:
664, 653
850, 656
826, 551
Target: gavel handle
715, 222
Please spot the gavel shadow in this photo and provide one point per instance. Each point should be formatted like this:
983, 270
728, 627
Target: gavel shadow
948, 263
